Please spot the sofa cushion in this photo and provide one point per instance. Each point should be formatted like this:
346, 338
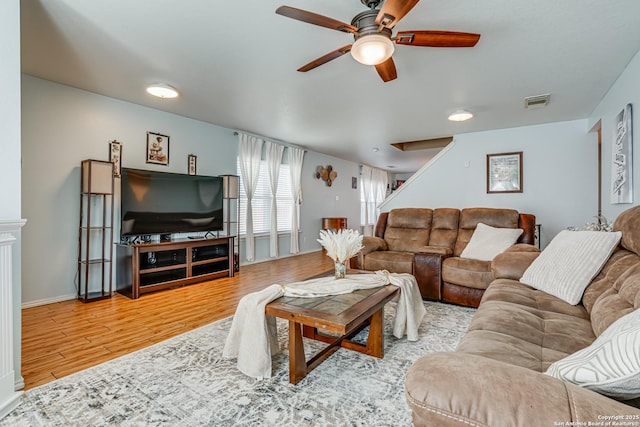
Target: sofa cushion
397, 262
523, 326
471, 273
569, 263
470, 217
487, 242
444, 227
408, 229
455, 389
628, 222
611, 364
622, 294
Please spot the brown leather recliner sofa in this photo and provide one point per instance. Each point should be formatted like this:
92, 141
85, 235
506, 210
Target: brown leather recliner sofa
496, 375
428, 242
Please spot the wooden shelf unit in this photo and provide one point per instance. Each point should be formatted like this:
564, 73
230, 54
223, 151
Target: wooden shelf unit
149, 267
334, 223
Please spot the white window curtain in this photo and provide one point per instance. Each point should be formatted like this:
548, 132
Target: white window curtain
273, 154
296, 157
373, 192
249, 156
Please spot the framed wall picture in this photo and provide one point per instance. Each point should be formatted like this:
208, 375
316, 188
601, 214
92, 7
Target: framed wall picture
622, 158
157, 148
504, 173
115, 157
192, 164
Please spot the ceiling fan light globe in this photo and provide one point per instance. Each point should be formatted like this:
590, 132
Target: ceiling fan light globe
372, 49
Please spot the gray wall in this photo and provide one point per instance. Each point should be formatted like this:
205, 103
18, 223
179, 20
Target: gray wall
559, 175
625, 90
62, 126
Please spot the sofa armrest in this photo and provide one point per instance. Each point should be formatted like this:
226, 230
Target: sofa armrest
372, 244
459, 389
512, 263
427, 269
440, 250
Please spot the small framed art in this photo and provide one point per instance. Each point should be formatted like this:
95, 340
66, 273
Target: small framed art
192, 164
504, 173
115, 157
157, 148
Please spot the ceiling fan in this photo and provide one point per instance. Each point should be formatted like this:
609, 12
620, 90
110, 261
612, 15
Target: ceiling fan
372, 31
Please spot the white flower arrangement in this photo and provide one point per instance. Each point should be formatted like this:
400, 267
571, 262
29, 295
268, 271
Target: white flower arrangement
341, 245
601, 224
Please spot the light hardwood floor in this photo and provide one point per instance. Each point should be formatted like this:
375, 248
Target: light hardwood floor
62, 338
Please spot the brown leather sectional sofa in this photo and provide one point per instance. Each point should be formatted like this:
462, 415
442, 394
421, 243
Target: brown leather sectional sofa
496, 375
428, 242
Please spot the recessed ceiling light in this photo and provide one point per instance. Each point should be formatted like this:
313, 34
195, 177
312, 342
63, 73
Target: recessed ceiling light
162, 91
460, 116
376, 149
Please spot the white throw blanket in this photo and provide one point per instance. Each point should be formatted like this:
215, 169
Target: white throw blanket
253, 336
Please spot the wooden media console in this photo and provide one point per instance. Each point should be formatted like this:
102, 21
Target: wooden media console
149, 267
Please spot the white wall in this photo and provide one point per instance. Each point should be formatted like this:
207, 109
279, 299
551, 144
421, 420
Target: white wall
624, 91
61, 126
10, 198
10, 110
559, 175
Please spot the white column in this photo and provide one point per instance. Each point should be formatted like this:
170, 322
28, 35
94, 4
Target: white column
9, 397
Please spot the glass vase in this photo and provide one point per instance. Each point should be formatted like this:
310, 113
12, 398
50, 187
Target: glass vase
341, 270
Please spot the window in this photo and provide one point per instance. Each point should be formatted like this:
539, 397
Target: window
372, 193
261, 202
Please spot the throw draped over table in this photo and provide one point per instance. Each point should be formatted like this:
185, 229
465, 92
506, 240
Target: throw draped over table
253, 338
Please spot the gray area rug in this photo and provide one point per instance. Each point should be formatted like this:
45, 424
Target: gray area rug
184, 382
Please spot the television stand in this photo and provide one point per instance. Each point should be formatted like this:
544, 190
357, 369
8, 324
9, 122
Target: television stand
154, 266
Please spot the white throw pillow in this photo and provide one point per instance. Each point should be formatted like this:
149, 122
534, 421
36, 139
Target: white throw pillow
565, 268
487, 242
610, 365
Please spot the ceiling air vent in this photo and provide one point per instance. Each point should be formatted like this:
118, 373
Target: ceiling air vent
537, 101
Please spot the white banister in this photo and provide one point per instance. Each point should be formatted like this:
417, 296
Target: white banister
9, 397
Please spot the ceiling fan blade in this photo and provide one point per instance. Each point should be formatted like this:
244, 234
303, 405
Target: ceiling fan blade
325, 58
393, 11
315, 19
387, 70
437, 38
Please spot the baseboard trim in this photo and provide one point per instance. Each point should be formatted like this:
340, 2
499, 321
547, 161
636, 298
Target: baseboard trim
277, 258
10, 404
37, 303
61, 298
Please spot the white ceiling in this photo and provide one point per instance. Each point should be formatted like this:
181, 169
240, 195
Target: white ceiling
235, 63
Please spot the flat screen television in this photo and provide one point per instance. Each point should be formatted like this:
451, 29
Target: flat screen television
165, 203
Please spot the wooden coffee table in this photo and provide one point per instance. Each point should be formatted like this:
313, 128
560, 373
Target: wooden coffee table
344, 315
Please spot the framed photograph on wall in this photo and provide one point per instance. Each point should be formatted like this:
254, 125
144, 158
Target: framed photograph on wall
191, 164
157, 148
115, 157
504, 173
